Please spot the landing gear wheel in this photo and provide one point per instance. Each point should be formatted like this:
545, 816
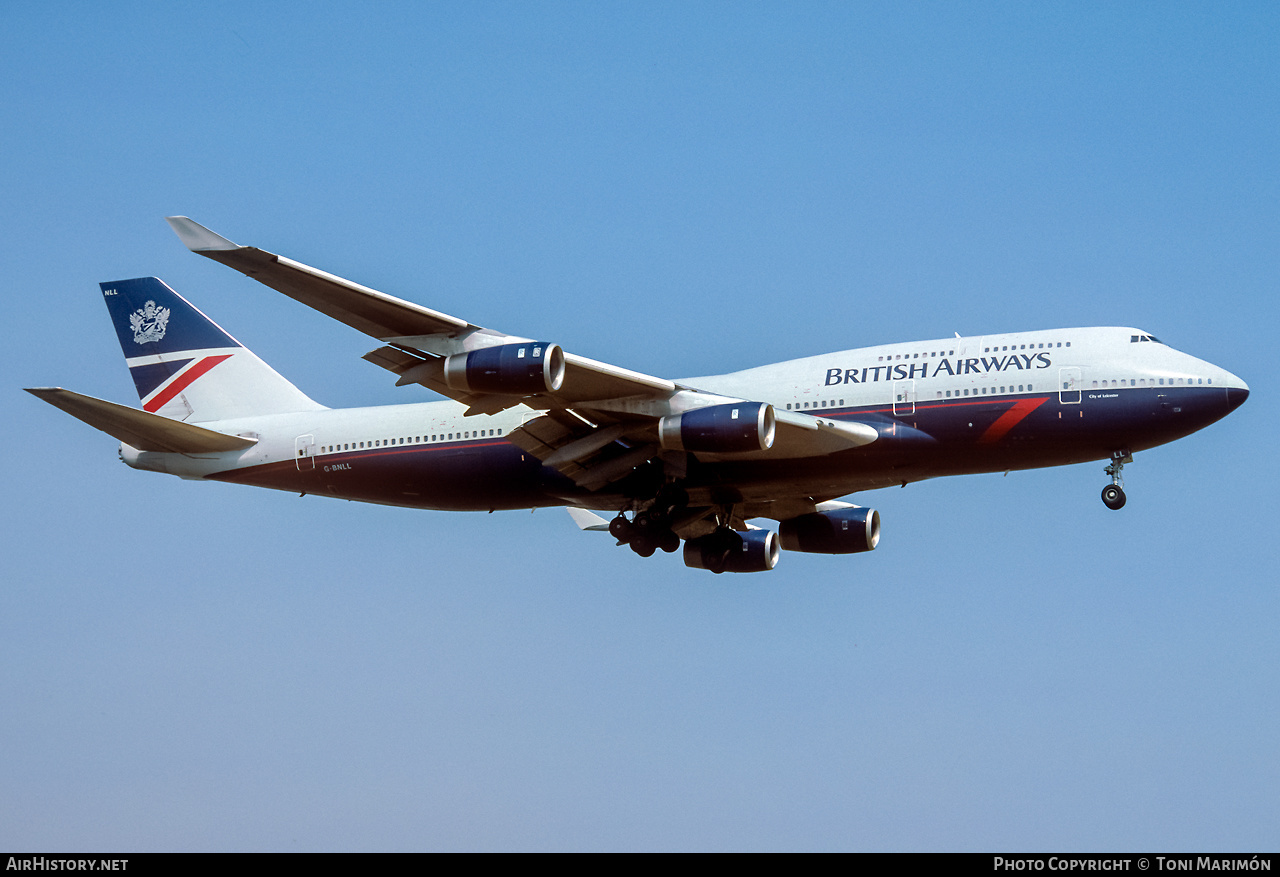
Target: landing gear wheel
1113, 497
669, 542
622, 530
1113, 494
648, 522
657, 518
644, 545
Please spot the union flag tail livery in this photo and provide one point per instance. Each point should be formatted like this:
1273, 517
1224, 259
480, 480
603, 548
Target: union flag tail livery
184, 365
691, 461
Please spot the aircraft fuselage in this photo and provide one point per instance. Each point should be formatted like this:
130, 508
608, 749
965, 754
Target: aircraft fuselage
943, 407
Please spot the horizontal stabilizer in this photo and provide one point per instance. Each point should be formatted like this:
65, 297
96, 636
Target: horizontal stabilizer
587, 520
140, 429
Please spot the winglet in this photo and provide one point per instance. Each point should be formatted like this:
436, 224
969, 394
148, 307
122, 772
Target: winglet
196, 237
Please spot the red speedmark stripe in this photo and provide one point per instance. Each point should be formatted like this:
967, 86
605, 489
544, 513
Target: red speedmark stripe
1010, 419
182, 381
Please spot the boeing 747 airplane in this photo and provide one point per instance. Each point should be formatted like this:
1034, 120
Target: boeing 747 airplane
529, 424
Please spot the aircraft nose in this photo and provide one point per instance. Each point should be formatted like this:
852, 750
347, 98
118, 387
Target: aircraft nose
1236, 397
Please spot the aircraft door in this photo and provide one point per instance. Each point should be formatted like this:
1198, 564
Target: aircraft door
904, 397
1069, 384
306, 452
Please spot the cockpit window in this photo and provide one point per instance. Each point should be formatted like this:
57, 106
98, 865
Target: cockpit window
1134, 339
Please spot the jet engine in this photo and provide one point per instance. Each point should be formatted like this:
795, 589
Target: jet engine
735, 428
730, 551
509, 369
842, 531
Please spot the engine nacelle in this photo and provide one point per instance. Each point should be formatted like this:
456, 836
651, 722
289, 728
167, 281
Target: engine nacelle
510, 369
730, 551
735, 428
843, 531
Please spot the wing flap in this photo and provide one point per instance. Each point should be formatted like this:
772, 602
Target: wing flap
542, 437
591, 455
140, 429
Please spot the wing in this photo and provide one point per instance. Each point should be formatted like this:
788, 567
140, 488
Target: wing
404, 325
600, 420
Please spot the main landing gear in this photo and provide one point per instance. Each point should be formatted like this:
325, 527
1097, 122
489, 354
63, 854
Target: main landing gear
1113, 494
650, 530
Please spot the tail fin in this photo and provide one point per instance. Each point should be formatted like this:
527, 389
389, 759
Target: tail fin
185, 366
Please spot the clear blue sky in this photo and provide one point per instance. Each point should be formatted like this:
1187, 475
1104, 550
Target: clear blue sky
681, 190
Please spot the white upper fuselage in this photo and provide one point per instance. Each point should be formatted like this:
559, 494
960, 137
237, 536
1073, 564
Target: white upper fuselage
1019, 362
1024, 363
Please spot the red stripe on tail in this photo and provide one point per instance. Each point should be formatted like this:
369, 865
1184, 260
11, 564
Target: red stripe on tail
182, 381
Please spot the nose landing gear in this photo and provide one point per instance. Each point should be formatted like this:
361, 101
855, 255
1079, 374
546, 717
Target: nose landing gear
1113, 497
1113, 494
